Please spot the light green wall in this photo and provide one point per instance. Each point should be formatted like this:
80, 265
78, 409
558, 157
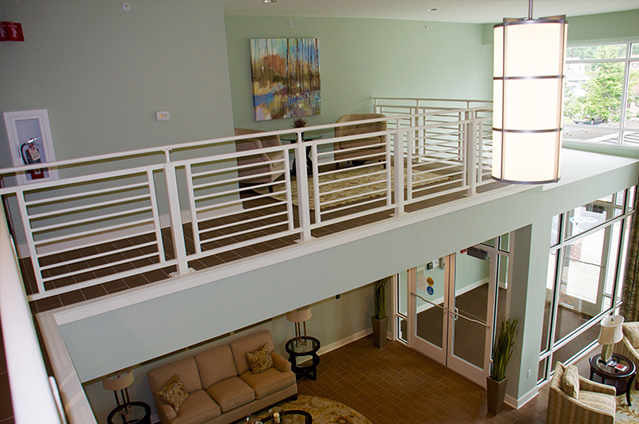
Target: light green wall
620, 26
362, 58
103, 72
332, 320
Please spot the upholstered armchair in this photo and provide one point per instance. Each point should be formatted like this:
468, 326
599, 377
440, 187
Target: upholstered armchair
629, 345
360, 150
262, 167
574, 399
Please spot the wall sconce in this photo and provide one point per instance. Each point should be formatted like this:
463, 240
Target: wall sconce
528, 99
299, 316
611, 332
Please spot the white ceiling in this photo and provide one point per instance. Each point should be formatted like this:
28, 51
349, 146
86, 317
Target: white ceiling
468, 11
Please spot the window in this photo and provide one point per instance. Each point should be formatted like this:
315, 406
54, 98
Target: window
585, 275
601, 94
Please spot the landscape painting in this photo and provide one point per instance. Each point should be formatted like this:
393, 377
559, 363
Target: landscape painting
286, 77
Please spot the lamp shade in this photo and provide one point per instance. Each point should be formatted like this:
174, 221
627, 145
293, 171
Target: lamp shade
119, 381
611, 330
528, 82
299, 315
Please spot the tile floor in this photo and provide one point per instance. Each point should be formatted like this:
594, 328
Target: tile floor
399, 385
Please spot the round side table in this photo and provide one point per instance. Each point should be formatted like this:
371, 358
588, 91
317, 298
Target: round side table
620, 380
131, 413
302, 348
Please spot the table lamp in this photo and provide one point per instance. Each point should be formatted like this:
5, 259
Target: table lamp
298, 316
611, 333
120, 382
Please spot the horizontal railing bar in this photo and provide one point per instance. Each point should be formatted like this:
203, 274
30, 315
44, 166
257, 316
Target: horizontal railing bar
86, 194
336, 220
90, 220
84, 208
356, 177
101, 280
73, 181
242, 222
371, 193
102, 266
233, 213
238, 233
92, 232
92, 244
96, 256
239, 245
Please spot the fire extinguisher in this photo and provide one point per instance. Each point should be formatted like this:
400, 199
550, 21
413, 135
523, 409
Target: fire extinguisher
31, 154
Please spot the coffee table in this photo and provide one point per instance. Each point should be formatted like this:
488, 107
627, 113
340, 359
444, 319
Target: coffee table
293, 416
621, 381
309, 161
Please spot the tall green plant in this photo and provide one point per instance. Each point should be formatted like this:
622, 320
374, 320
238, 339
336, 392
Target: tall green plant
380, 298
503, 348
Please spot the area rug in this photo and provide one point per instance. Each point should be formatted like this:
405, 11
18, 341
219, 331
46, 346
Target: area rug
323, 411
350, 185
628, 414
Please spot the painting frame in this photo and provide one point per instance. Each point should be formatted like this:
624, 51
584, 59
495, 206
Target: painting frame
285, 76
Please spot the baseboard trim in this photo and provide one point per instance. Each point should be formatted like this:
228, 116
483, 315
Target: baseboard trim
518, 403
345, 341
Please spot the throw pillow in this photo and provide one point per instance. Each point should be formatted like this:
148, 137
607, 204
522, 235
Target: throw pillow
173, 393
570, 384
259, 360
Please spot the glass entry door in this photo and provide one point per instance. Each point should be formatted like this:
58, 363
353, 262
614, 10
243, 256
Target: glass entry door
452, 309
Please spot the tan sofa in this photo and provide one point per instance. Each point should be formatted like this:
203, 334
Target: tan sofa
220, 386
574, 399
362, 149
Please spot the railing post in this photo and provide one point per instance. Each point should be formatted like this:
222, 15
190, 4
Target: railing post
175, 215
472, 156
302, 188
398, 163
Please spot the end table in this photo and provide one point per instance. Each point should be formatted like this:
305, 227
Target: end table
300, 348
621, 380
131, 413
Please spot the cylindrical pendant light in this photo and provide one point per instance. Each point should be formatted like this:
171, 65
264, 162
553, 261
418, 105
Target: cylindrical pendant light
528, 99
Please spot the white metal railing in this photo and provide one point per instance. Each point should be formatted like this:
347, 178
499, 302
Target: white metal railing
187, 206
32, 396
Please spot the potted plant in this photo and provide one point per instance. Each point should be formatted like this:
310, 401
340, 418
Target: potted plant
380, 320
502, 351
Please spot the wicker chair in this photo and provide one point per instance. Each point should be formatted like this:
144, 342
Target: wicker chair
590, 403
629, 345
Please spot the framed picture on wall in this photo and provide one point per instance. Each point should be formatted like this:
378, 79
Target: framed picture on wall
30, 142
286, 77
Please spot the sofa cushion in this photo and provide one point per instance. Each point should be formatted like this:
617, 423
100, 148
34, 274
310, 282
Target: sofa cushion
631, 332
268, 382
247, 344
600, 401
570, 383
173, 393
216, 365
259, 360
197, 408
185, 369
231, 393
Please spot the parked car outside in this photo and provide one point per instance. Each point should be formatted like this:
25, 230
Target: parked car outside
592, 120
